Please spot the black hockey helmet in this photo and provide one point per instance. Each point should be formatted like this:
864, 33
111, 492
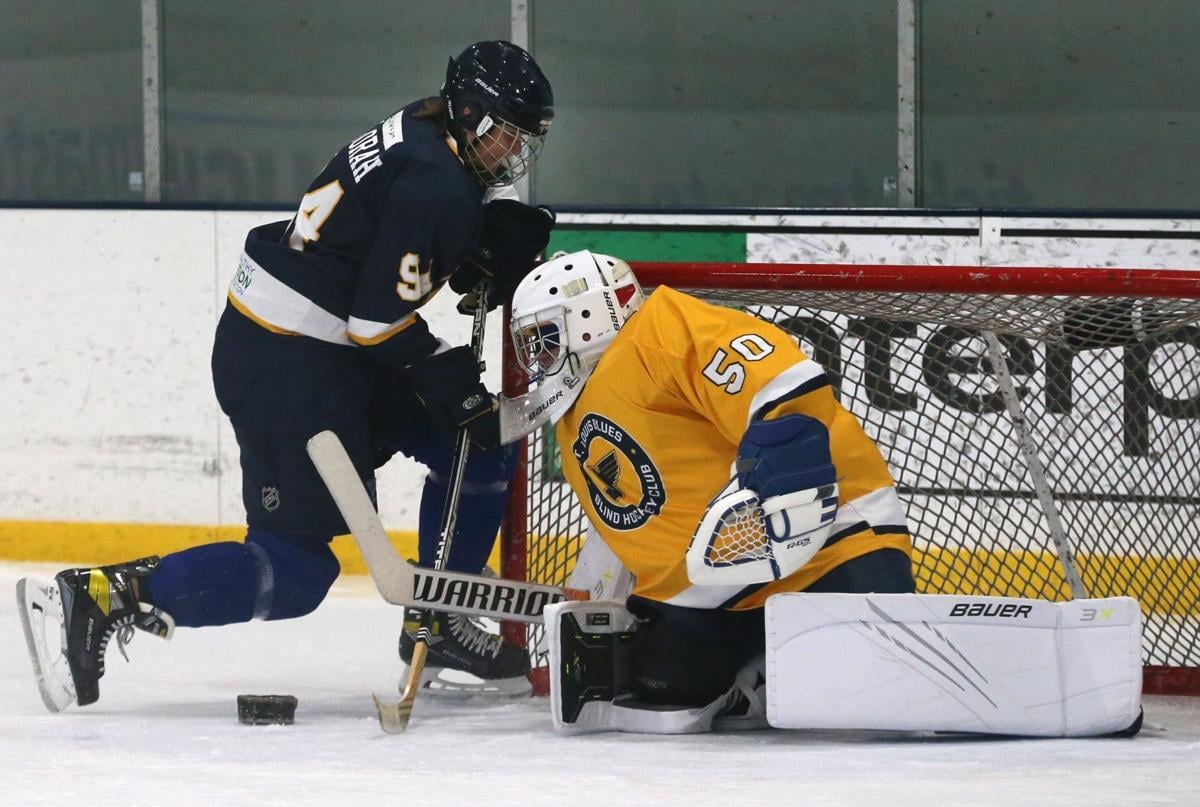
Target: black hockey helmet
497, 87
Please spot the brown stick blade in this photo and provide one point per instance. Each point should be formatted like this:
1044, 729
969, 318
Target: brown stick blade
394, 717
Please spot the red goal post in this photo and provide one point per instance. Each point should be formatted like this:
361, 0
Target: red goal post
1028, 414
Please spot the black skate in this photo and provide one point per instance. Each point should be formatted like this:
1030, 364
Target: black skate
69, 623
464, 658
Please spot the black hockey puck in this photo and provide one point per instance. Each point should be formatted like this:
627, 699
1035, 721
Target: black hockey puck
266, 710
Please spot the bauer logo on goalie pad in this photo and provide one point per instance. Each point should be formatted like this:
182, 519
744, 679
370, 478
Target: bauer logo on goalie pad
1007, 609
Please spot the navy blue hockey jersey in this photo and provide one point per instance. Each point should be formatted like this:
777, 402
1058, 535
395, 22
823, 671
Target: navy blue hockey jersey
379, 231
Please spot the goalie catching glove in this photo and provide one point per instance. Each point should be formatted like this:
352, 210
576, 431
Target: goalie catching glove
513, 235
776, 511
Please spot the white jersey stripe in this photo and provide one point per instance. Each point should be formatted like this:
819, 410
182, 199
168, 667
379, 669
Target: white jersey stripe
279, 308
791, 378
879, 508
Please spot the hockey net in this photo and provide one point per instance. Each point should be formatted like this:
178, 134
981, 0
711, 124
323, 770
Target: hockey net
1027, 414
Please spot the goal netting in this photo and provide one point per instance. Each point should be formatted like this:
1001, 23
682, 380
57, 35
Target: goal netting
1030, 416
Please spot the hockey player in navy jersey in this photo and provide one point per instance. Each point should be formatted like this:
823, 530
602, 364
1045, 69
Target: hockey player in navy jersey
322, 330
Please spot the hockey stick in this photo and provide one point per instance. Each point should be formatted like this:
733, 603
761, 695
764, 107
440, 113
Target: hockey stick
340, 477
401, 583
394, 717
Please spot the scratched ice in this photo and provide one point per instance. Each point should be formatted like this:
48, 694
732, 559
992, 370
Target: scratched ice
165, 732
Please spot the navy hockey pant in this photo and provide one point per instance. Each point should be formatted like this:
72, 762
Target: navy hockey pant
278, 391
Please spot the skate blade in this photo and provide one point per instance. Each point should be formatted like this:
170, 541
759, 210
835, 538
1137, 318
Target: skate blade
442, 682
40, 606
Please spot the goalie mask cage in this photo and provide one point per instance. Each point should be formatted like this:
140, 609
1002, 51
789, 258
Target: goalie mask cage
1042, 426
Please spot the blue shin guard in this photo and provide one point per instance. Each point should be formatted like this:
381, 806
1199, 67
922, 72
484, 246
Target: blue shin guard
270, 576
480, 509
213, 584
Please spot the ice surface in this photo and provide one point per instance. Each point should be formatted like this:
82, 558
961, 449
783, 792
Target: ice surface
165, 732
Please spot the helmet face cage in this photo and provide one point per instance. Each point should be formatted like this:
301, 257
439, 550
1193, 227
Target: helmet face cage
501, 152
501, 106
538, 340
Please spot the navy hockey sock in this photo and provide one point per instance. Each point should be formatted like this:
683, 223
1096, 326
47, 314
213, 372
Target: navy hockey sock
480, 506
271, 576
213, 584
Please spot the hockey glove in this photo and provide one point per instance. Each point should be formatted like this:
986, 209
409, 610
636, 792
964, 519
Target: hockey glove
775, 513
449, 386
512, 237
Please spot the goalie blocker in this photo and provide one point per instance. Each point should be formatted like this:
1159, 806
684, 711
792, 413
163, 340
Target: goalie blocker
899, 662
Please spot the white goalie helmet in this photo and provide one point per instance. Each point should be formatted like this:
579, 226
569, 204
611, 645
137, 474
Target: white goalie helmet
570, 309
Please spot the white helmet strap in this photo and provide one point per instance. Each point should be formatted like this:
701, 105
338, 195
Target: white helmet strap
485, 125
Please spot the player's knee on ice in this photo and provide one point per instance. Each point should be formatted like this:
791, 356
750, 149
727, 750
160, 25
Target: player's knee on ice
296, 572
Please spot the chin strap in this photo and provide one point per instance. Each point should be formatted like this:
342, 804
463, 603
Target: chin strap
546, 403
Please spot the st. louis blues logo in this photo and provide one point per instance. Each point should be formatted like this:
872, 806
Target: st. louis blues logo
624, 485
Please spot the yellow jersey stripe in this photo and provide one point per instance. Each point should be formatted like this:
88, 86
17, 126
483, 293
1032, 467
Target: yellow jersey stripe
365, 332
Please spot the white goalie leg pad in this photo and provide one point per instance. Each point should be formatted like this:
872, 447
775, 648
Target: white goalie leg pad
923, 662
600, 573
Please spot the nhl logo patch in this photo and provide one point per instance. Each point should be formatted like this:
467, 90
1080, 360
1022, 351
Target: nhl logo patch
270, 499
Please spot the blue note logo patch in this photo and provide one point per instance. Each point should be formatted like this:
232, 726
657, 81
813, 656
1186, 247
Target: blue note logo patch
624, 486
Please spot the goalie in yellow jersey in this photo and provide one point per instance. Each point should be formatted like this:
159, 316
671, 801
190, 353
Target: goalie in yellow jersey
714, 461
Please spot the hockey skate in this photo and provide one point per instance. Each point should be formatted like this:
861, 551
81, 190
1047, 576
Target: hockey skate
465, 659
69, 622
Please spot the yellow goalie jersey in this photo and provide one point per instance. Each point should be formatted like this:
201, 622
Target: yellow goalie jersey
653, 436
